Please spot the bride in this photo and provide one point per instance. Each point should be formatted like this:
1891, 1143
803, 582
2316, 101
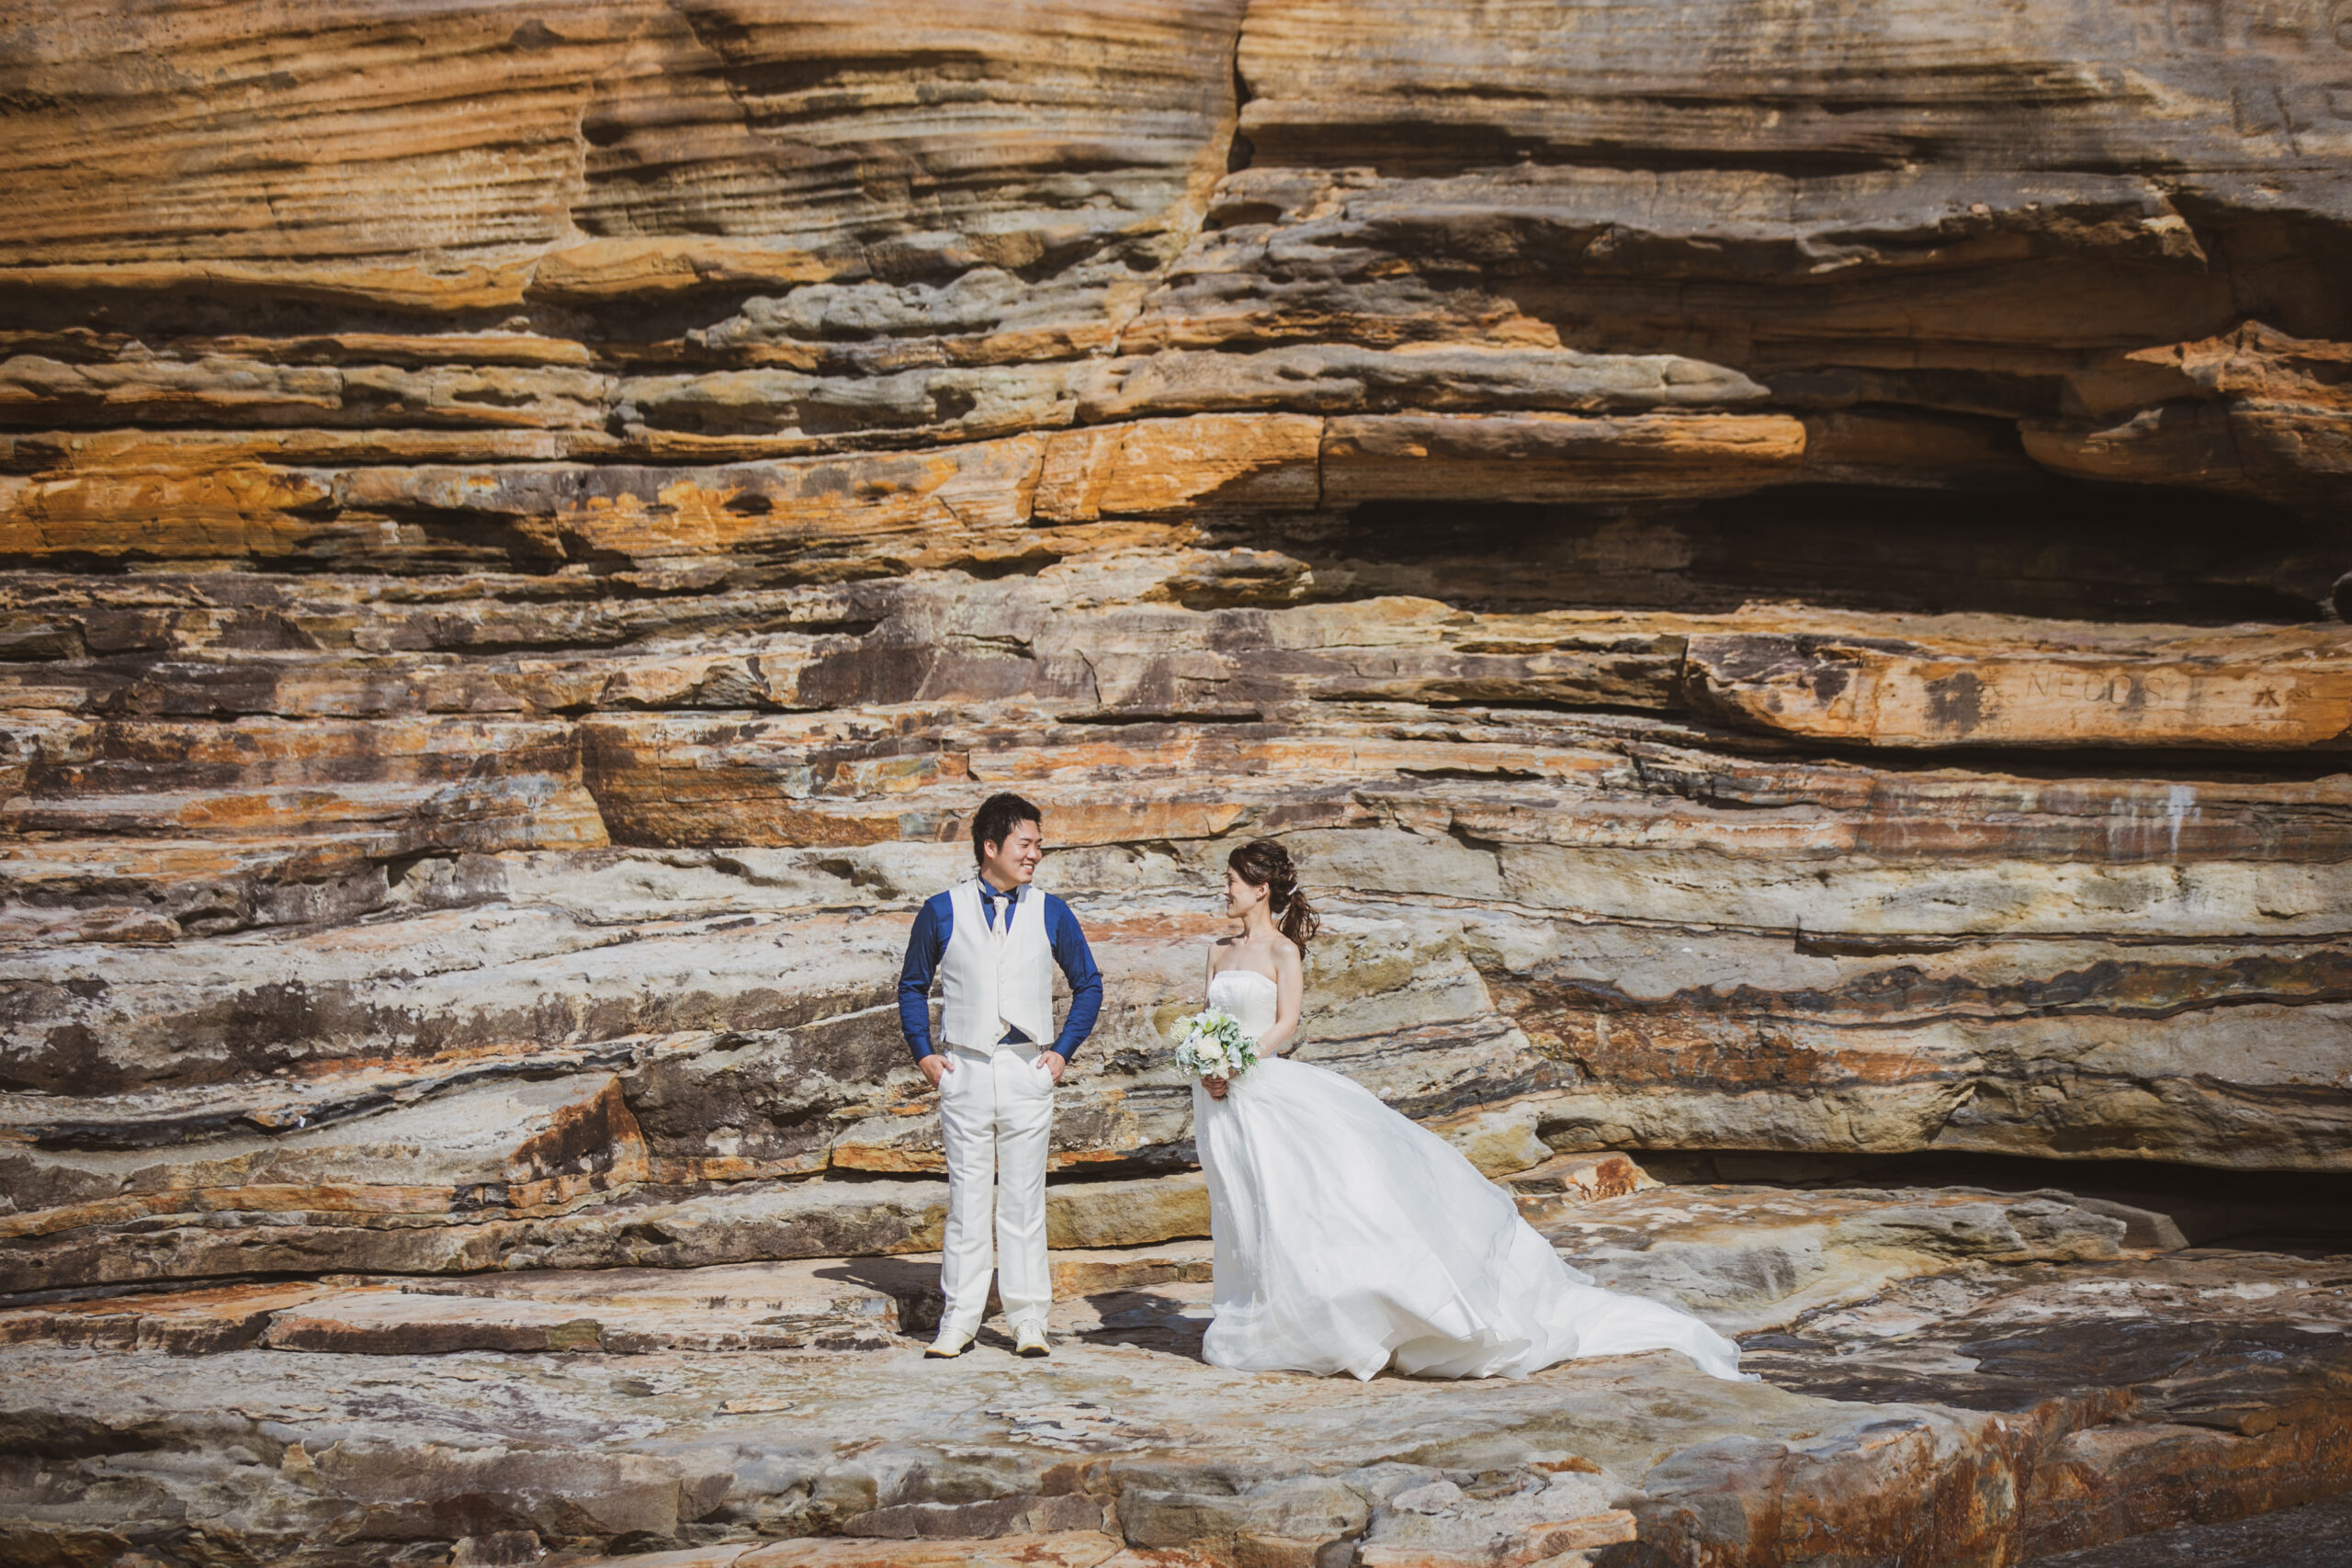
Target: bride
1349, 1239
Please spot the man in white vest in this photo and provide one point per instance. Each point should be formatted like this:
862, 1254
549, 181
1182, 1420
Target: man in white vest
992, 943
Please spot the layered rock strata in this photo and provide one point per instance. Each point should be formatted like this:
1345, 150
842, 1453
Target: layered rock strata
1783, 574
1947, 1379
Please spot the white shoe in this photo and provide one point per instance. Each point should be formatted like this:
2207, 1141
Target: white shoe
1029, 1339
950, 1344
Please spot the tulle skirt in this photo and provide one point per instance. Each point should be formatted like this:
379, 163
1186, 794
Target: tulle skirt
1349, 1239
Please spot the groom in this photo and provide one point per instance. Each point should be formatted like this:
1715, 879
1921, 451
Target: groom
988, 940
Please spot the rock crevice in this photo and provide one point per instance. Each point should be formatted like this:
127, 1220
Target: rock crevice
1783, 574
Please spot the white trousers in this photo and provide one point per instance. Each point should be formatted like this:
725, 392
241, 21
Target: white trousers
995, 1110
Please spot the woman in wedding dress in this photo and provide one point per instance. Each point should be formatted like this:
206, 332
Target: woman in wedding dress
1349, 1239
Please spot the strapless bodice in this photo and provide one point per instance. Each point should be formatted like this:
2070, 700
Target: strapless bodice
1248, 996
1348, 1239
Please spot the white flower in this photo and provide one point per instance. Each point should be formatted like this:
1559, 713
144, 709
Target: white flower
1213, 1045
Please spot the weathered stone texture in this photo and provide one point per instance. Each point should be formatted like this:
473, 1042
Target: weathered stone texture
1956, 1381
682, 453
1783, 568
1133, 563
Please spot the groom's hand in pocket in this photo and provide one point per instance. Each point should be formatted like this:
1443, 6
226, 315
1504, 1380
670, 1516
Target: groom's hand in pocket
936, 1067
1053, 1063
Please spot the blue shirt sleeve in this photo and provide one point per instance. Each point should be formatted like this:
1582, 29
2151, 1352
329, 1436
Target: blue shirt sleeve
1077, 961
926, 945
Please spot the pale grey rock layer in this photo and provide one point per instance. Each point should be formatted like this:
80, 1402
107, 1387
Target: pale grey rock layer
1783, 574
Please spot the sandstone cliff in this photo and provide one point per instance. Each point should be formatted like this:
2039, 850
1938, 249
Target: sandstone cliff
1782, 568
1782, 579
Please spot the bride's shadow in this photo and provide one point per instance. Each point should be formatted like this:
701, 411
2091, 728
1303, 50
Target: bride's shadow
1142, 1319
1146, 1320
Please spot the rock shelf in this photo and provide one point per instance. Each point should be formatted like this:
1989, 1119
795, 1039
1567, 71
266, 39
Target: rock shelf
1946, 1377
1783, 571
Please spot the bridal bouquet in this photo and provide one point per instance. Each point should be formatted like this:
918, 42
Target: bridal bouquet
1213, 1047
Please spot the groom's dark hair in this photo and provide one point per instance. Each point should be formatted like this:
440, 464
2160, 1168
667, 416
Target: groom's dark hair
994, 821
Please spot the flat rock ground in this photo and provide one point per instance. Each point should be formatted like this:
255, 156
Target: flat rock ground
1913, 1406
1785, 569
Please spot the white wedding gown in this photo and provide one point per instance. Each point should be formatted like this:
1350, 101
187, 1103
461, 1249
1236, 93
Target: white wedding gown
1349, 1239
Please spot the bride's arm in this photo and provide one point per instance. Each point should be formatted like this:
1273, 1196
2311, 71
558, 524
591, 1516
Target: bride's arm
1215, 1085
1290, 983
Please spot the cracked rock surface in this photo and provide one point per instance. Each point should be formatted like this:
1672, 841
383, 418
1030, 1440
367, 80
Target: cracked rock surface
1783, 571
2030, 1385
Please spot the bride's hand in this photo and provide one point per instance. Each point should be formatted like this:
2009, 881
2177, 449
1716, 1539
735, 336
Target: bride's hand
1216, 1087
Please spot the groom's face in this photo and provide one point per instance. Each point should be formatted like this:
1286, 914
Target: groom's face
1012, 862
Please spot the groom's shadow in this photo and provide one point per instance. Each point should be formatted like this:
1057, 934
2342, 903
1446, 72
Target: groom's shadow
913, 1285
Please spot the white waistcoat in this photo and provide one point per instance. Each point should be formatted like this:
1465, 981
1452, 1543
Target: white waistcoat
992, 979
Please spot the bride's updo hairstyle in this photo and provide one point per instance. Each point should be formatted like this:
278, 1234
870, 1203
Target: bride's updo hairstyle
1263, 862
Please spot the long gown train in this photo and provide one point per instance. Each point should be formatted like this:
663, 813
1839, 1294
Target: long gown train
1349, 1239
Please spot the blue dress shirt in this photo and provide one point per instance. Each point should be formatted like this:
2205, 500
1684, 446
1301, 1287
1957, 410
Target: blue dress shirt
927, 945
